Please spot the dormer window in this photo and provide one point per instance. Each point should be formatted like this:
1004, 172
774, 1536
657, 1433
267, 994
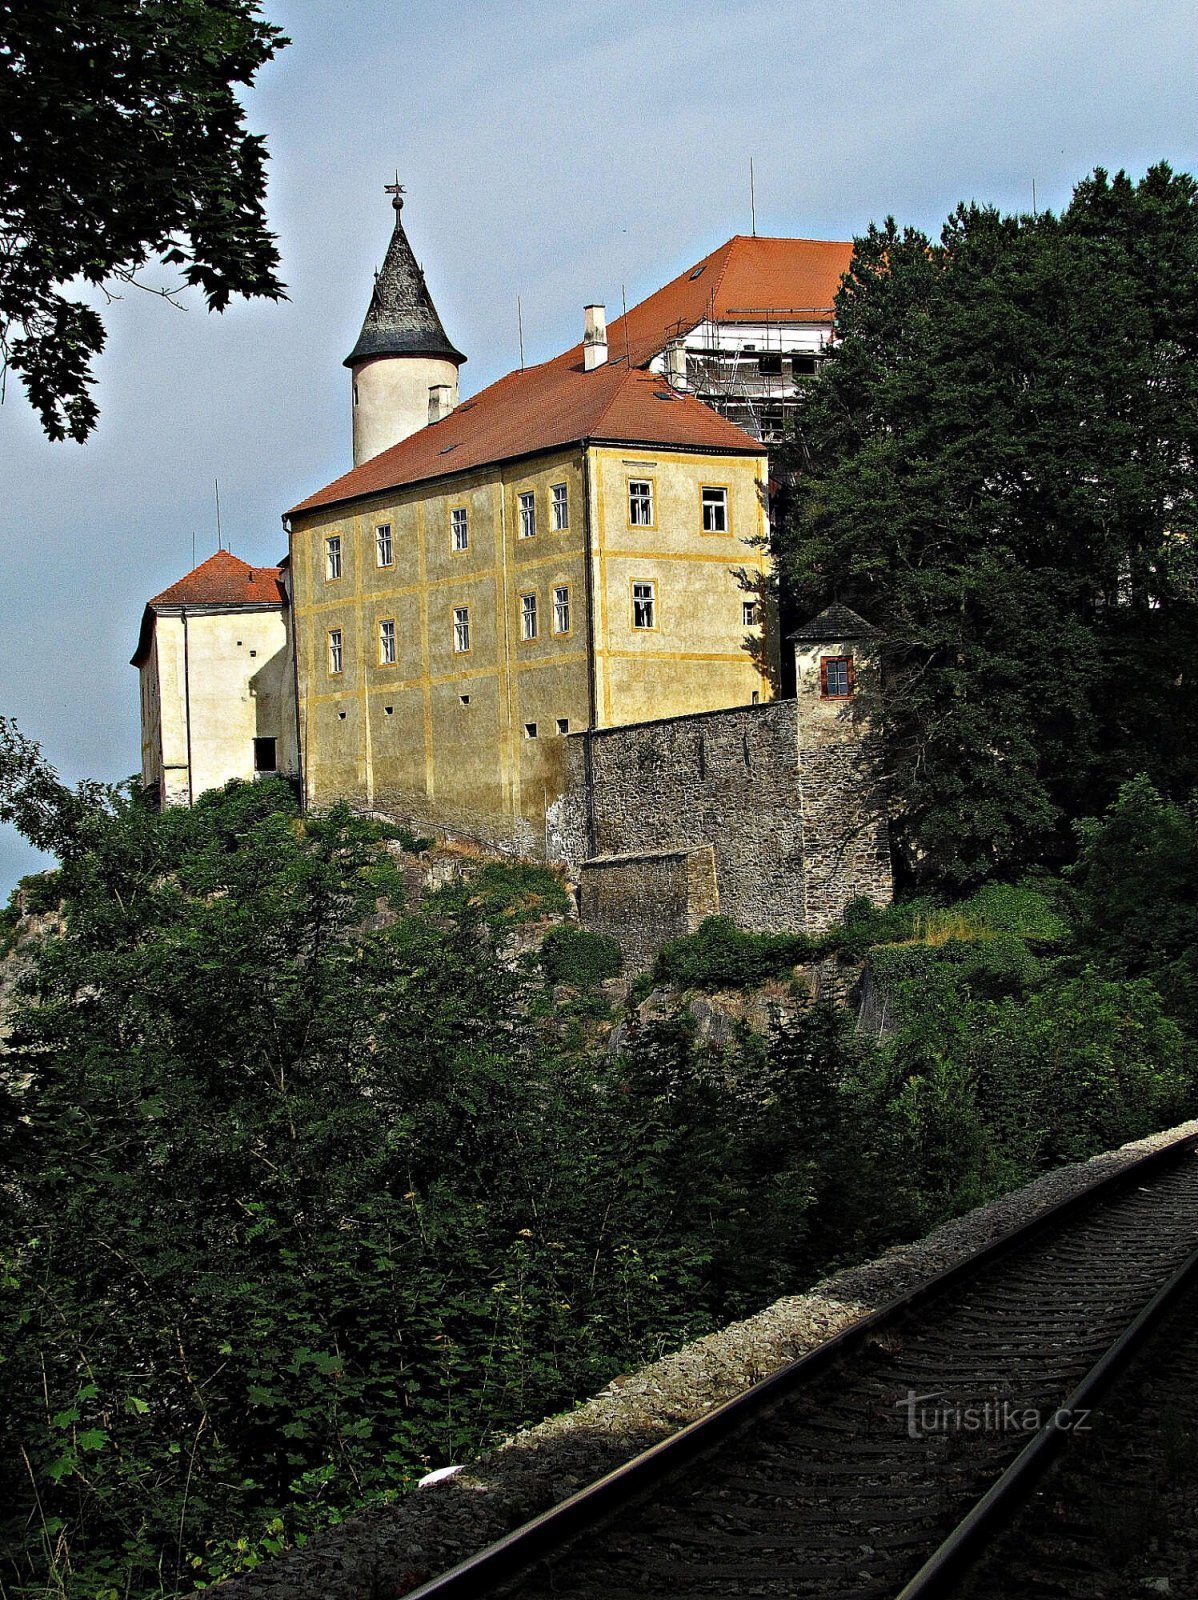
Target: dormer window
836, 677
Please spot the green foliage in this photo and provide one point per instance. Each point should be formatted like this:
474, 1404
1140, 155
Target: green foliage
39, 892
301, 1199
123, 143
570, 954
997, 469
507, 893
414, 843
993, 964
1134, 892
720, 956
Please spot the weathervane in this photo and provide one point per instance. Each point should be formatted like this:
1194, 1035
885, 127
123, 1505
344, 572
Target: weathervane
396, 190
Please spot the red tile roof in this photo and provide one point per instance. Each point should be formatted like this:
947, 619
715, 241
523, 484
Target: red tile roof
223, 580
559, 403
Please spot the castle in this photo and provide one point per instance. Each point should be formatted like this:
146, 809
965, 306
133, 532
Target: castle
540, 617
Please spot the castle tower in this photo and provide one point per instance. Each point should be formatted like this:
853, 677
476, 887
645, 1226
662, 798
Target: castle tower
405, 371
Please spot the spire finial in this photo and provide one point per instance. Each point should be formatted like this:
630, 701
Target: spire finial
396, 191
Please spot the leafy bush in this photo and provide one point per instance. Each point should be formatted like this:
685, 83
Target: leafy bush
1134, 893
514, 892
40, 892
570, 954
720, 956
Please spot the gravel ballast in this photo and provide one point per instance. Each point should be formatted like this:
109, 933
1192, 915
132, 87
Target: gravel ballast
383, 1552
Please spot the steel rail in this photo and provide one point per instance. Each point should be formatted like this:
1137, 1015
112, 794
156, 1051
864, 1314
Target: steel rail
1009, 1493
525, 1546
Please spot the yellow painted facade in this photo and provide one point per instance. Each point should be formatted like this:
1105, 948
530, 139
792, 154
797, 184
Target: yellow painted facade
464, 727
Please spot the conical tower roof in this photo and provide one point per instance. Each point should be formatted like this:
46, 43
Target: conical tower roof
402, 319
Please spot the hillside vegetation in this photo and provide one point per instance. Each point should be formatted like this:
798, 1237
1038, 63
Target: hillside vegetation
309, 1189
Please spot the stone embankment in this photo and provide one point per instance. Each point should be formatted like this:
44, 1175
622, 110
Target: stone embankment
382, 1553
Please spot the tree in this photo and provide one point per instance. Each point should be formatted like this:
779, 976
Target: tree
122, 142
999, 470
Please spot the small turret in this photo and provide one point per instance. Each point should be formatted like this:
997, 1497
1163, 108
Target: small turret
402, 352
836, 657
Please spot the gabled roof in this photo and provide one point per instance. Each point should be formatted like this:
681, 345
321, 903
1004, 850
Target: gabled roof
224, 580
560, 403
402, 319
539, 409
836, 622
746, 280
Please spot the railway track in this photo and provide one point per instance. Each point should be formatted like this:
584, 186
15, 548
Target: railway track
880, 1463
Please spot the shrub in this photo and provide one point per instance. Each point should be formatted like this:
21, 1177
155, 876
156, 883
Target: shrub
518, 891
576, 955
39, 892
721, 956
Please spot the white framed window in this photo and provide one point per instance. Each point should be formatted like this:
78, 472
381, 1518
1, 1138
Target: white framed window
332, 556
559, 507
528, 616
715, 509
459, 529
748, 613
640, 502
336, 652
530, 730
561, 608
563, 724
382, 545
461, 629
387, 642
644, 605
528, 515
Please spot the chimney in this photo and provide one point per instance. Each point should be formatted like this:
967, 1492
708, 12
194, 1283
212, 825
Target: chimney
440, 401
676, 364
594, 337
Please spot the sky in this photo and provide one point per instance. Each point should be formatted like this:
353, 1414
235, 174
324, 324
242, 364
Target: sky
556, 153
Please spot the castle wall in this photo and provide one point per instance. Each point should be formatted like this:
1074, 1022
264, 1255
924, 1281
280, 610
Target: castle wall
792, 812
643, 900
729, 779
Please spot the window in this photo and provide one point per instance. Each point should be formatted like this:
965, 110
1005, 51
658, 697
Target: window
836, 677
387, 642
563, 724
559, 507
715, 510
264, 755
748, 613
459, 528
804, 366
528, 616
530, 730
464, 699
528, 515
461, 629
336, 655
561, 608
382, 544
644, 605
771, 365
332, 557
640, 502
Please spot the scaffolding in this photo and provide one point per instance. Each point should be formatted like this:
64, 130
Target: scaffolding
756, 383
